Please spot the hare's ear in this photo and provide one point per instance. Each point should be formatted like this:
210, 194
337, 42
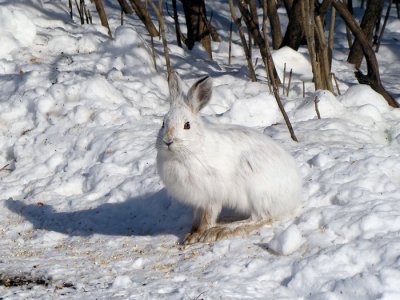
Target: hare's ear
200, 94
174, 84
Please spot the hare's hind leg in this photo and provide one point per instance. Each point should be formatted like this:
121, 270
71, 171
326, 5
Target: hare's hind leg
227, 231
203, 219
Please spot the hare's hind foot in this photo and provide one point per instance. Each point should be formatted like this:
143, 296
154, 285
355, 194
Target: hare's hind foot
220, 232
208, 236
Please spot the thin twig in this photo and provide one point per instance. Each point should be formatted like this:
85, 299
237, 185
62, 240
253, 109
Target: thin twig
230, 43
90, 17
290, 81
264, 30
336, 83
81, 3
176, 22
331, 34
160, 10
243, 40
270, 69
316, 107
398, 9
250, 48
163, 37
79, 11
4, 168
304, 89
70, 9
284, 79
348, 37
85, 9
153, 53
180, 36
383, 26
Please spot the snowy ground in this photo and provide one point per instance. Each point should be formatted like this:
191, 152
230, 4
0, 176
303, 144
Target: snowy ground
83, 214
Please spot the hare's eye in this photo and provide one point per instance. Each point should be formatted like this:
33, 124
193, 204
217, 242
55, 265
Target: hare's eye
163, 125
186, 126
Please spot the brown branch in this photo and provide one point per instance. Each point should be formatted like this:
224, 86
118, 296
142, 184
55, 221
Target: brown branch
271, 72
331, 35
79, 11
86, 12
125, 7
214, 34
177, 25
275, 23
373, 77
255, 32
322, 8
308, 22
284, 79
102, 14
144, 16
336, 83
323, 55
383, 26
316, 107
243, 40
81, 3
290, 82
230, 42
163, 37
70, 9
180, 36
265, 35
367, 25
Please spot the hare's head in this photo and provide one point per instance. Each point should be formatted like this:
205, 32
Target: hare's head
182, 128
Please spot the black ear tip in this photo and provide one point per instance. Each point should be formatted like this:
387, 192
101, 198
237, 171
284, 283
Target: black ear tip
205, 78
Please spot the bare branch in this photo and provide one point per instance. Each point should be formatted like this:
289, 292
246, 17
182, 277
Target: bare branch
163, 37
373, 77
243, 40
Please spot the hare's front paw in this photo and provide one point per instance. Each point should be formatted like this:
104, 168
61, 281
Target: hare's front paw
192, 237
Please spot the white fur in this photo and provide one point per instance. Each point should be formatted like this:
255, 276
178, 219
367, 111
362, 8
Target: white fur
214, 166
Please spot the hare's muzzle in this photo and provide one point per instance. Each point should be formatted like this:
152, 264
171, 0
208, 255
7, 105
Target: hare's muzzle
168, 143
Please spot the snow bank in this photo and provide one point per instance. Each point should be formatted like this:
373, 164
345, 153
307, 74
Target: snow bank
300, 65
327, 104
361, 95
286, 241
16, 30
258, 111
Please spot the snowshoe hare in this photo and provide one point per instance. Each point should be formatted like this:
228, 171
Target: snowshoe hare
210, 166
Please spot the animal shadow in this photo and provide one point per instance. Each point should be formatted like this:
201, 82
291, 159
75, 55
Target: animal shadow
153, 214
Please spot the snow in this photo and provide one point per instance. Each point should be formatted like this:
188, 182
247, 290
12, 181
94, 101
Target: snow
292, 60
83, 208
286, 241
260, 110
16, 30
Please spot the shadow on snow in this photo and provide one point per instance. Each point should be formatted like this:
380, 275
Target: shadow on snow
153, 214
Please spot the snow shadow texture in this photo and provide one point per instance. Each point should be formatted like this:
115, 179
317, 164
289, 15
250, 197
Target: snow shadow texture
152, 214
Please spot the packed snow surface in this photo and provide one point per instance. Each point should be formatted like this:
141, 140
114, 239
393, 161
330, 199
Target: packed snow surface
83, 214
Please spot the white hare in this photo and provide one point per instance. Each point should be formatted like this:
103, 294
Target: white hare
212, 166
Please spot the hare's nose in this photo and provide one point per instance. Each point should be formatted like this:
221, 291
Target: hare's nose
169, 143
